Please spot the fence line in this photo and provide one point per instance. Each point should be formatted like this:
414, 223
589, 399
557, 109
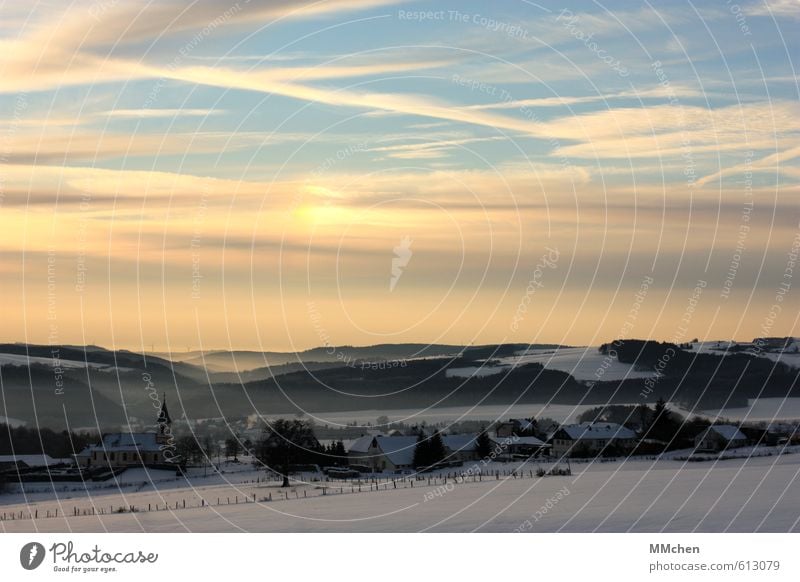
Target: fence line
345, 487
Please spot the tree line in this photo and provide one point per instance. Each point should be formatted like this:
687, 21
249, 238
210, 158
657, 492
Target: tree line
22, 440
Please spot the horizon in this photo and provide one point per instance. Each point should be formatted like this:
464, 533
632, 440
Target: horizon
166, 350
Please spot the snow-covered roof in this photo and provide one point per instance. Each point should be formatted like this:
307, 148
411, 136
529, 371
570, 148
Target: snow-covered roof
597, 430
528, 440
728, 432
360, 445
399, 450
33, 460
524, 423
127, 441
460, 442
517, 440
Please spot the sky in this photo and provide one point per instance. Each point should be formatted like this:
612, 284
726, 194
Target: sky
280, 175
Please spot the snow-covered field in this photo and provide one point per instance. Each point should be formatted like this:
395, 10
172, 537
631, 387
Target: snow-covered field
582, 363
757, 494
12, 422
761, 409
791, 357
585, 363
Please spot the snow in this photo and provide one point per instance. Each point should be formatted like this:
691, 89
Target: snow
34, 460
758, 409
460, 442
598, 430
359, 445
585, 363
728, 432
12, 422
740, 495
790, 357
528, 440
399, 450
124, 441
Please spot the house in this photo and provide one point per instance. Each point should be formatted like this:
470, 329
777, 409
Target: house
123, 450
16, 463
720, 436
126, 449
396, 453
383, 453
516, 426
590, 438
517, 446
781, 433
461, 447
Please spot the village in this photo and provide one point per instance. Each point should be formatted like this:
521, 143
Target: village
520, 468
287, 447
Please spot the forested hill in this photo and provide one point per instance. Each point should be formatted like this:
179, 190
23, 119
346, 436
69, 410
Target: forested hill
94, 387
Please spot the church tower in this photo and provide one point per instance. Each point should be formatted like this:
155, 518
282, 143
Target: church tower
163, 421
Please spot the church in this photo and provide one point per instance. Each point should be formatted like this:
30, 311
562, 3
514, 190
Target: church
125, 449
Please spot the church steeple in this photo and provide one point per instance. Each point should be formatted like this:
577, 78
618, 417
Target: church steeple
164, 420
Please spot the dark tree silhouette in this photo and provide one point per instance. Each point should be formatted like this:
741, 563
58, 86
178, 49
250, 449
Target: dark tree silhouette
437, 449
429, 450
233, 447
663, 426
422, 451
286, 442
34, 441
188, 449
483, 444
340, 453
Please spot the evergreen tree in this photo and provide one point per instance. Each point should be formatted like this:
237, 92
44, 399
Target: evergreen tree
663, 426
340, 453
436, 448
644, 415
422, 454
483, 444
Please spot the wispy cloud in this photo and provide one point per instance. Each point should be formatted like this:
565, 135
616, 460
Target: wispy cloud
157, 113
68, 48
775, 8
775, 164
